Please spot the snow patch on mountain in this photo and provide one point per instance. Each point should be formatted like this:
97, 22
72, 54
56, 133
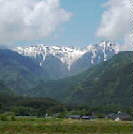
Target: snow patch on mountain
68, 55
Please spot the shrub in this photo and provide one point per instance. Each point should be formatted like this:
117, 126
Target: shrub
7, 117
3, 117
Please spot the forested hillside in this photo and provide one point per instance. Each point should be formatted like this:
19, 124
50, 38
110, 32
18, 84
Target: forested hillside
107, 83
19, 72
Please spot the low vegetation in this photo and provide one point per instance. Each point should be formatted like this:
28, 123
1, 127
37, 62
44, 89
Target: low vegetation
63, 126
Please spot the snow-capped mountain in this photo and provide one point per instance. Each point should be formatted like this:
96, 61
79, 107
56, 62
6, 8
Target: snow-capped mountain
61, 61
67, 55
95, 54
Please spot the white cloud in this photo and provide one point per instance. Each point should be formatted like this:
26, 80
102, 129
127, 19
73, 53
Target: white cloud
30, 19
115, 21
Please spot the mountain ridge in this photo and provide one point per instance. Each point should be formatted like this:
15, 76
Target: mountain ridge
69, 59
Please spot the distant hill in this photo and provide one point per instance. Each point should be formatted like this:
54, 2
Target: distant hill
107, 83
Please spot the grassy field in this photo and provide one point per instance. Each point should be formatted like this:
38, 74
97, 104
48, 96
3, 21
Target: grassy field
64, 126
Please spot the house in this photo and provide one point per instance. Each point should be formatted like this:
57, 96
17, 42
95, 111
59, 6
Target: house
56, 115
74, 116
88, 117
81, 117
111, 116
120, 116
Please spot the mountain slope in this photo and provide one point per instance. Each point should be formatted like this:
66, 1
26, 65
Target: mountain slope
5, 90
54, 67
19, 72
107, 83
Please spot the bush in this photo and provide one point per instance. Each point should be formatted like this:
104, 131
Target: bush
7, 117
3, 117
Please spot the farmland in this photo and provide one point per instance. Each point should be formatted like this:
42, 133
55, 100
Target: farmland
64, 126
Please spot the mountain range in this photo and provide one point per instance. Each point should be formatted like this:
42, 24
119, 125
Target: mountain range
70, 75
60, 62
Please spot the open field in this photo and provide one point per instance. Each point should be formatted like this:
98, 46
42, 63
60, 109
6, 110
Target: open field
64, 126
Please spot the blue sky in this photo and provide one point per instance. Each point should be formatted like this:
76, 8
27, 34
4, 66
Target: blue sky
81, 29
64, 22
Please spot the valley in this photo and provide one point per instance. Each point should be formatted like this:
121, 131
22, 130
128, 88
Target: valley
100, 87
65, 67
